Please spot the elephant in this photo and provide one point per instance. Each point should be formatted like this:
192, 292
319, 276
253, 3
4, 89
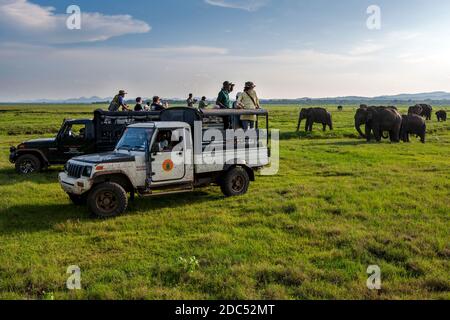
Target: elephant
417, 109
315, 115
379, 120
427, 110
340, 108
413, 124
441, 115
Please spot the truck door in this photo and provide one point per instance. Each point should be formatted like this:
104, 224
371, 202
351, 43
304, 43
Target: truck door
168, 156
75, 140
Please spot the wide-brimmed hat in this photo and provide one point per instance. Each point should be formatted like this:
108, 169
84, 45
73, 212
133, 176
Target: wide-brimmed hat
123, 92
250, 85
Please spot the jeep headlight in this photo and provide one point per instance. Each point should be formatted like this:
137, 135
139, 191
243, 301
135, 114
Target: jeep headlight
66, 167
87, 171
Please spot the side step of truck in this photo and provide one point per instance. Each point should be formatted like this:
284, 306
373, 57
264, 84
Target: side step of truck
167, 190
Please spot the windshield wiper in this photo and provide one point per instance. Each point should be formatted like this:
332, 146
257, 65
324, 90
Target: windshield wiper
125, 147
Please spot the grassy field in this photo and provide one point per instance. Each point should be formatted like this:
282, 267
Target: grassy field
337, 206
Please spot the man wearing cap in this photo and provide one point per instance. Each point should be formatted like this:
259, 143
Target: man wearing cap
118, 101
249, 101
223, 99
191, 101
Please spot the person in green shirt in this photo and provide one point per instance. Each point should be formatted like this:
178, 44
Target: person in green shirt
223, 99
203, 104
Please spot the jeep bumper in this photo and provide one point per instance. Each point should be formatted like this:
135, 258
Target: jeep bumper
12, 155
74, 185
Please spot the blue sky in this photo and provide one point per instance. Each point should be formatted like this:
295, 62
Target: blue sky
290, 48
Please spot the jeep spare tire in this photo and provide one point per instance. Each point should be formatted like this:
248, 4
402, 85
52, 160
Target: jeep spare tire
28, 164
107, 200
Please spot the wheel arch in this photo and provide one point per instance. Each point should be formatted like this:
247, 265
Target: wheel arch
37, 153
250, 171
116, 177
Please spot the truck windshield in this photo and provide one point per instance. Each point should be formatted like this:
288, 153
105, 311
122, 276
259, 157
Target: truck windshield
135, 139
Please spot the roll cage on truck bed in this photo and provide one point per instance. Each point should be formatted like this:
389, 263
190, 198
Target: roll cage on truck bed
185, 149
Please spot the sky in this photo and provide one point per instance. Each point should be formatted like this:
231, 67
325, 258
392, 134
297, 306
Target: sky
289, 48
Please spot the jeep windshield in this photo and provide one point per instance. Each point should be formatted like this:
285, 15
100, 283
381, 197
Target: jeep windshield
135, 139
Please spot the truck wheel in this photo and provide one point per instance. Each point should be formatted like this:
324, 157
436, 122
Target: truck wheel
235, 182
78, 200
28, 164
107, 200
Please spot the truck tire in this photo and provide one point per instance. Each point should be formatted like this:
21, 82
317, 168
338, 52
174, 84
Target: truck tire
107, 200
78, 200
27, 164
235, 182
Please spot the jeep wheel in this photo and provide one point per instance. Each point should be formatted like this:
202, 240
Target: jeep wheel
235, 182
78, 200
107, 200
28, 164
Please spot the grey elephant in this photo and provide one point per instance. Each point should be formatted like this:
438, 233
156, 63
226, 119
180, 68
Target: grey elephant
417, 109
413, 124
441, 115
378, 120
427, 110
315, 115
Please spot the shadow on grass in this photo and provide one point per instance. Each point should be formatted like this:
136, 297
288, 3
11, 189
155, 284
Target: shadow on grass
28, 218
9, 176
319, 135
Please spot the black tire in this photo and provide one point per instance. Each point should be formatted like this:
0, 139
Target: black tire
28, 164
78, 200
235, 182
107, 200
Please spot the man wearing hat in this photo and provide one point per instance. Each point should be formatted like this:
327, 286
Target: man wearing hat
118, 101
223, 99
249, 101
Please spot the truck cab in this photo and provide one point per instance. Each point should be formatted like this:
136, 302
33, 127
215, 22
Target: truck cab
164, 157
74, 138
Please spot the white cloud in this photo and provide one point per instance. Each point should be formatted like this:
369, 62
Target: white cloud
365, 48
28, 22
248, 5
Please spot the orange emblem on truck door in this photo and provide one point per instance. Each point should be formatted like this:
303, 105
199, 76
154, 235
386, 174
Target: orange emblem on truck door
167, 165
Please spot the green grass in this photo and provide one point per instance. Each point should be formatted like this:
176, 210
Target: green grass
337, 206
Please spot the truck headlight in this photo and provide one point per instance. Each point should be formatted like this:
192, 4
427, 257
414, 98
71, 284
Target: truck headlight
87, 171
66, 167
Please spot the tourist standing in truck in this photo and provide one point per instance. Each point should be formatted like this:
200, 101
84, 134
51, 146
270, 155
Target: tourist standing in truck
203, 104
249, 101
139, 105
191, 101
157, 105
223, 99
118, 102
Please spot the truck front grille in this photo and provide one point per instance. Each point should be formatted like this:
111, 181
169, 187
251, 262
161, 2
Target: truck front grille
74, 170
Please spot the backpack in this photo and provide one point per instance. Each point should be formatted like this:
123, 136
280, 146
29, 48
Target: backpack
114, 106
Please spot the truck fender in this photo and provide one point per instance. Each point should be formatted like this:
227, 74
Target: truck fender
35, 152
118, 177
250, 172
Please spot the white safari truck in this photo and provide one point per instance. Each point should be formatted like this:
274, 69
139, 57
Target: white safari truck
186, 149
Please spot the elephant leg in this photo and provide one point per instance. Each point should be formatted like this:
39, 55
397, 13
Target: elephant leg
377, 133
307, 125
368, 133
324, 127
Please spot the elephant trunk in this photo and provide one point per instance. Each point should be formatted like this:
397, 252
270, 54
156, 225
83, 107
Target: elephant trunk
358, 128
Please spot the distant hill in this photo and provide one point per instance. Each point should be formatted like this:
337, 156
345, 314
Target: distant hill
438, 97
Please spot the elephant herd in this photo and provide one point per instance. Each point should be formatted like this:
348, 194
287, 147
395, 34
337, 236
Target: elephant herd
379, 121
